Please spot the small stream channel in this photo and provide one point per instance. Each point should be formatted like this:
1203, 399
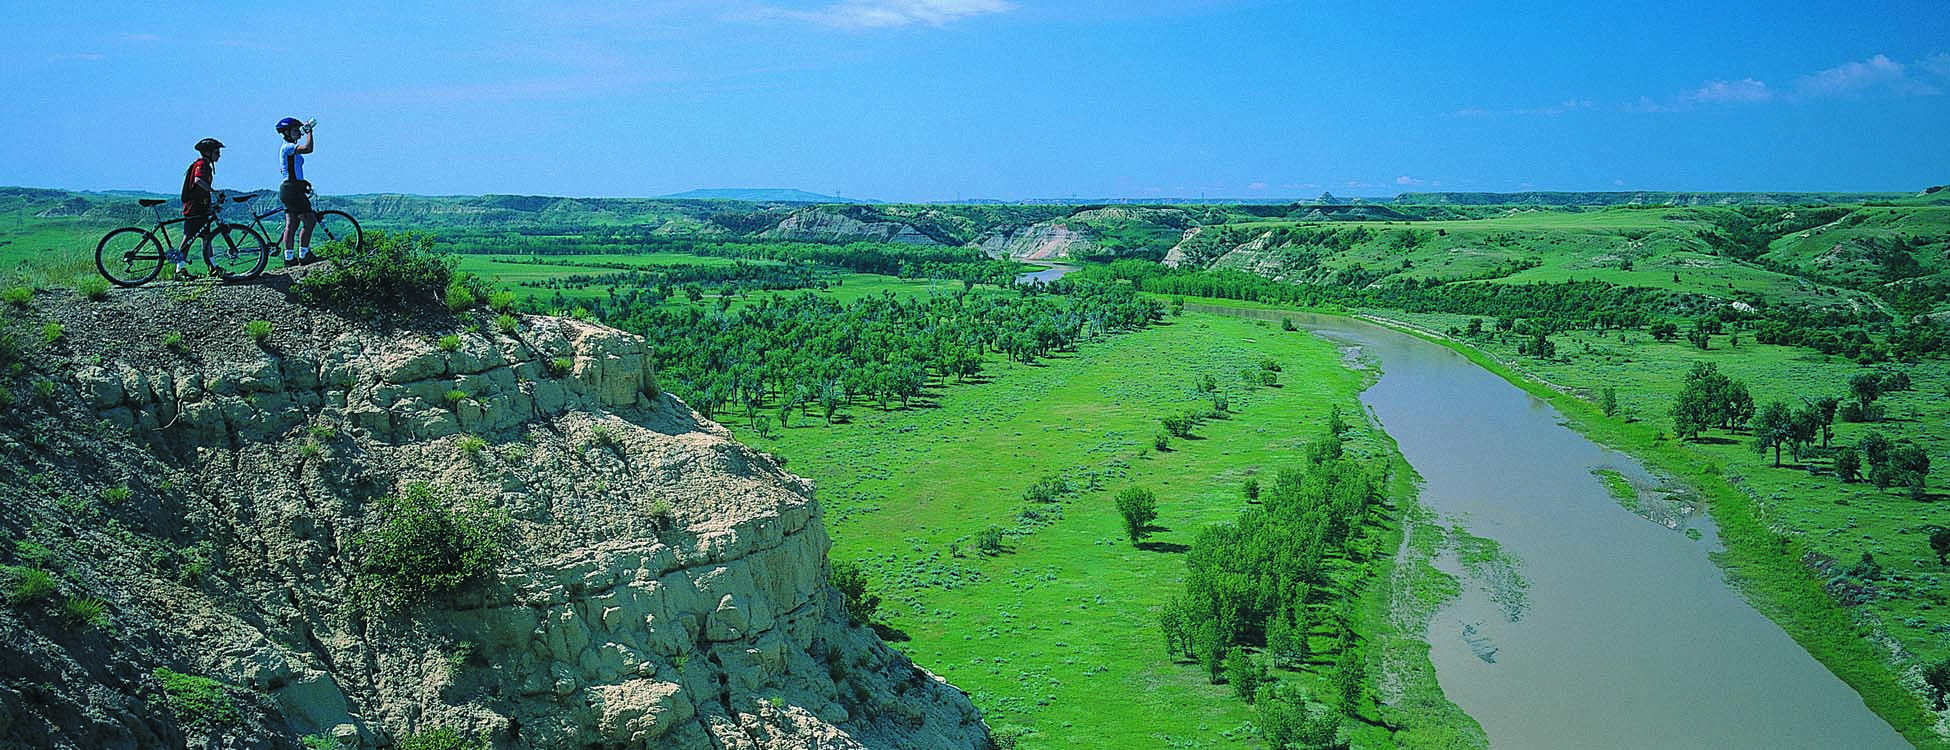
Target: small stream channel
1595, 625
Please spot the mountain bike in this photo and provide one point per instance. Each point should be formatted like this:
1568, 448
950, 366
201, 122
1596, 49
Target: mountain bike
341, 236
133, 256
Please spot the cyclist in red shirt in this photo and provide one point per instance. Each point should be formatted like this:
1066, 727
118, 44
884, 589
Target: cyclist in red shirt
197, 197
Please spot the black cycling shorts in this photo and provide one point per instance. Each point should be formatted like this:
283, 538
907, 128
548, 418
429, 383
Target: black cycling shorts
296, 196
193, 226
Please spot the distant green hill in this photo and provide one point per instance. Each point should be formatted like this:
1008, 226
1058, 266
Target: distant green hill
764, 195
1643, 197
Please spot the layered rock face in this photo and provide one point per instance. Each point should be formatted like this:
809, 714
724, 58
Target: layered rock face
814, 225
666, 587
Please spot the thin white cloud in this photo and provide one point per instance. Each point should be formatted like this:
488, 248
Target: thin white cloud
883, 14
1743, 91
1406, 180
1257, 186
1937, 65
1876, 74
1553, 110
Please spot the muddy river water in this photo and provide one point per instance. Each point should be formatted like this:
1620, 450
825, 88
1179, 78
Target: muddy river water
1598, 626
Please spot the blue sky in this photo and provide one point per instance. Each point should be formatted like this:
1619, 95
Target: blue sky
939, 99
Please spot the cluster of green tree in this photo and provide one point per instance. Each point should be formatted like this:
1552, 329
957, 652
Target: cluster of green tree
1887, 464
887, 259
1549, 306
1744, 232
1641, 199
805, 352
1265, 583
1709, 399
670, 280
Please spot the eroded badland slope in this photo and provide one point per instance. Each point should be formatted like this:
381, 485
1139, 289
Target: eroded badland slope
663, 586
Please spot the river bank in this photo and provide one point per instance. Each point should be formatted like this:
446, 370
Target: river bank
1770, 569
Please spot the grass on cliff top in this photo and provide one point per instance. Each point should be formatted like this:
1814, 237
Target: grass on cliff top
1059, 633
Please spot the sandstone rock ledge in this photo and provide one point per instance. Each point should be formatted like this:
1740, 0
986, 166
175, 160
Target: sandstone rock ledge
667, 588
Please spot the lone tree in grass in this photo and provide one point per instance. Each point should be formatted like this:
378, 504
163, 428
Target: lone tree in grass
1139, 508
1940, 544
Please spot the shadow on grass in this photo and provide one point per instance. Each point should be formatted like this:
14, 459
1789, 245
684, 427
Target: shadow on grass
1165, 547
889, 633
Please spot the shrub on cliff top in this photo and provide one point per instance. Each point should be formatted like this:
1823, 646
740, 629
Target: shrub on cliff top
426, 545
444, 738
401, 270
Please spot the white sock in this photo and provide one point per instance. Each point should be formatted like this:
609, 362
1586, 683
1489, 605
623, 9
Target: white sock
304, 252
287, 254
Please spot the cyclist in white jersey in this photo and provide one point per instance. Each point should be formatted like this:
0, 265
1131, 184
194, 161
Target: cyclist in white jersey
295, 192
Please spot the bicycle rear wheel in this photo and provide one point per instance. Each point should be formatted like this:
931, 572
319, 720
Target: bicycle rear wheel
129, 256
236, 252
337, 236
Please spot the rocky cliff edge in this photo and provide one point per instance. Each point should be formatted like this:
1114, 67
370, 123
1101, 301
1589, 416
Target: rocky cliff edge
666, 587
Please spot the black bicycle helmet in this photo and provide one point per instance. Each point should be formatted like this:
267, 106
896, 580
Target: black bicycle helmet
208, 145
288, 123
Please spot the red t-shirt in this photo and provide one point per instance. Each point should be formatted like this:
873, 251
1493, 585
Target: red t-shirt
196, 200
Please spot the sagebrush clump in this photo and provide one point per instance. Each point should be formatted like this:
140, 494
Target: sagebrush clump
426, 545
402, 271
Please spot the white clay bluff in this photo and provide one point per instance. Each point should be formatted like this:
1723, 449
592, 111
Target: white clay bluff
662, 587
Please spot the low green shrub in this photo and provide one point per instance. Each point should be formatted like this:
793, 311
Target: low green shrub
443, 738
471, 446
454, 397
502, 301
450, 342
28, 585
426, 545
44, 389
92, 287
861, 606
18, 296
34, 553
85, 611
507, 324
197, 701
459, 297
114, 496
51, 333
402, 270
561, 366
258, 330
173, 341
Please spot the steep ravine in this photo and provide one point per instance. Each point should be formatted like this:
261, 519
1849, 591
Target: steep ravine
666, 587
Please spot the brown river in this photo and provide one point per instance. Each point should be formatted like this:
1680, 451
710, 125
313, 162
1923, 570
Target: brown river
1597, 626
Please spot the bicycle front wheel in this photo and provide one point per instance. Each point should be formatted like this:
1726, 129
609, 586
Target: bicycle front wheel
236, 252
337, 236
129, 256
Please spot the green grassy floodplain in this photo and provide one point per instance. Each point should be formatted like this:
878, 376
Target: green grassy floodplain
1058, 635
1773, 522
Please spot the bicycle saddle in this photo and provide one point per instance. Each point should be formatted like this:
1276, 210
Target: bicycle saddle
151, 202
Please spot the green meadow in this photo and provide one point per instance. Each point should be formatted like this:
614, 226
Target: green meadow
1057, 636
